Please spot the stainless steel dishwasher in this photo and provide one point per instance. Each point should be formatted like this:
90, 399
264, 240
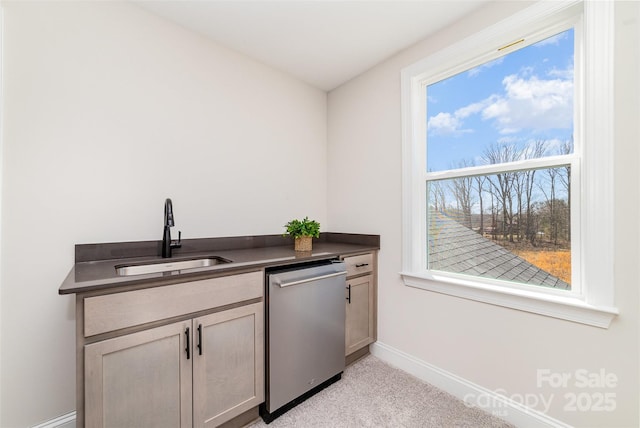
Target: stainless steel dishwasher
305, 346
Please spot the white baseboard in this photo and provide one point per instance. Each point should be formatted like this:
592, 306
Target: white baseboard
64, 421
474, 395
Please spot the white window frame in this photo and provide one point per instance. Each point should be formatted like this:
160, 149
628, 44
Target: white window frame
591, 300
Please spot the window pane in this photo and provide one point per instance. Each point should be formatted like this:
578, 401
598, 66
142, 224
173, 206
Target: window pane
512, 226
520, 99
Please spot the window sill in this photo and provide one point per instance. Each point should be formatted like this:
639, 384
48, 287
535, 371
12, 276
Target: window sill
562, 307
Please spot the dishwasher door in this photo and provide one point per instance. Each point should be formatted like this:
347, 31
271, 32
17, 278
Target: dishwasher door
305, 333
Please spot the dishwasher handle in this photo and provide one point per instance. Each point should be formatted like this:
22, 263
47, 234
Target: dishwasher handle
313, 278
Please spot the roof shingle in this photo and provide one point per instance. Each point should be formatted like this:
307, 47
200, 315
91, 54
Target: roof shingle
458, 249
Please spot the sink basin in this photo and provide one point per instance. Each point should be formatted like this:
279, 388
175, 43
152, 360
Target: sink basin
168, 266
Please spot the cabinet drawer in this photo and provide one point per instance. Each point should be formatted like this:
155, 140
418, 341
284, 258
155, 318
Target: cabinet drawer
120, 310
359, 264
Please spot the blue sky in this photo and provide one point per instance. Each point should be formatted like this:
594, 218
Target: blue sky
519, 98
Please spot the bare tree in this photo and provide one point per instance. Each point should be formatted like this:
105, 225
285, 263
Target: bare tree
494, 212
565, 177
519, 186
437, 195
534, 151
461, 188
530, 231
479, 183
502, 183
550, 195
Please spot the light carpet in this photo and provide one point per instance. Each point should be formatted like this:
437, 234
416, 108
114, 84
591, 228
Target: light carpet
371, 393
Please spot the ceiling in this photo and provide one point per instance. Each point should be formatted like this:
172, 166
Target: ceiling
324, 43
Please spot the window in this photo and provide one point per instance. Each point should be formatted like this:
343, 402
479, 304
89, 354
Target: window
500, 162
512, 116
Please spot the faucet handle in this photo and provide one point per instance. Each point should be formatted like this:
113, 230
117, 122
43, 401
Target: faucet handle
178, 243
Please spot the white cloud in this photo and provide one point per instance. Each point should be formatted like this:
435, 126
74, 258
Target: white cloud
527, 103
499, 108
507, 131
479, 69
452, 124
566, 74
443, 123
507, 140
532, 103
553, 146
467, 111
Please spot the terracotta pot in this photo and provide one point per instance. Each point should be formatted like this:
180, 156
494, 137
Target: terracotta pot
303, 243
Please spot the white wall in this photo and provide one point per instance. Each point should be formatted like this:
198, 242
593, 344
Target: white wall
494, 347
108, 110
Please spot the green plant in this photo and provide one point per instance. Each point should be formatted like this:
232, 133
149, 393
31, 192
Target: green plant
297, 228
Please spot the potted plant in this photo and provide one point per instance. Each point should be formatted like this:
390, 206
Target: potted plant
303, 231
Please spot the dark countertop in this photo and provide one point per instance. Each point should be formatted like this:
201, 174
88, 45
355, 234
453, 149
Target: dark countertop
95, 267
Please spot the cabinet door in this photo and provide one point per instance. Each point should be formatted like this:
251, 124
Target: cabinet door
140, 380
360, 312
228, 365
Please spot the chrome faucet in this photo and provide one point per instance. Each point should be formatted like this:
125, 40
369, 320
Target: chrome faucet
167, 244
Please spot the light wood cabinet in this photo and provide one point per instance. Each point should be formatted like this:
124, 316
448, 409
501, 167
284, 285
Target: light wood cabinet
360, 313
360, 323
139, 380
199, 368
228, 365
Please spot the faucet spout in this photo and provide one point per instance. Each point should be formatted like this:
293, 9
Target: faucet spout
168, 213
169, 222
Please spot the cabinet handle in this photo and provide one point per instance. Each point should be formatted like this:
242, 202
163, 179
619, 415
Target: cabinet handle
349, 293
199, 339
186, 334
361, 264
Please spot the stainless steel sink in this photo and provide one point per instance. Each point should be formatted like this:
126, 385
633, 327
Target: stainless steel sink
168, 266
